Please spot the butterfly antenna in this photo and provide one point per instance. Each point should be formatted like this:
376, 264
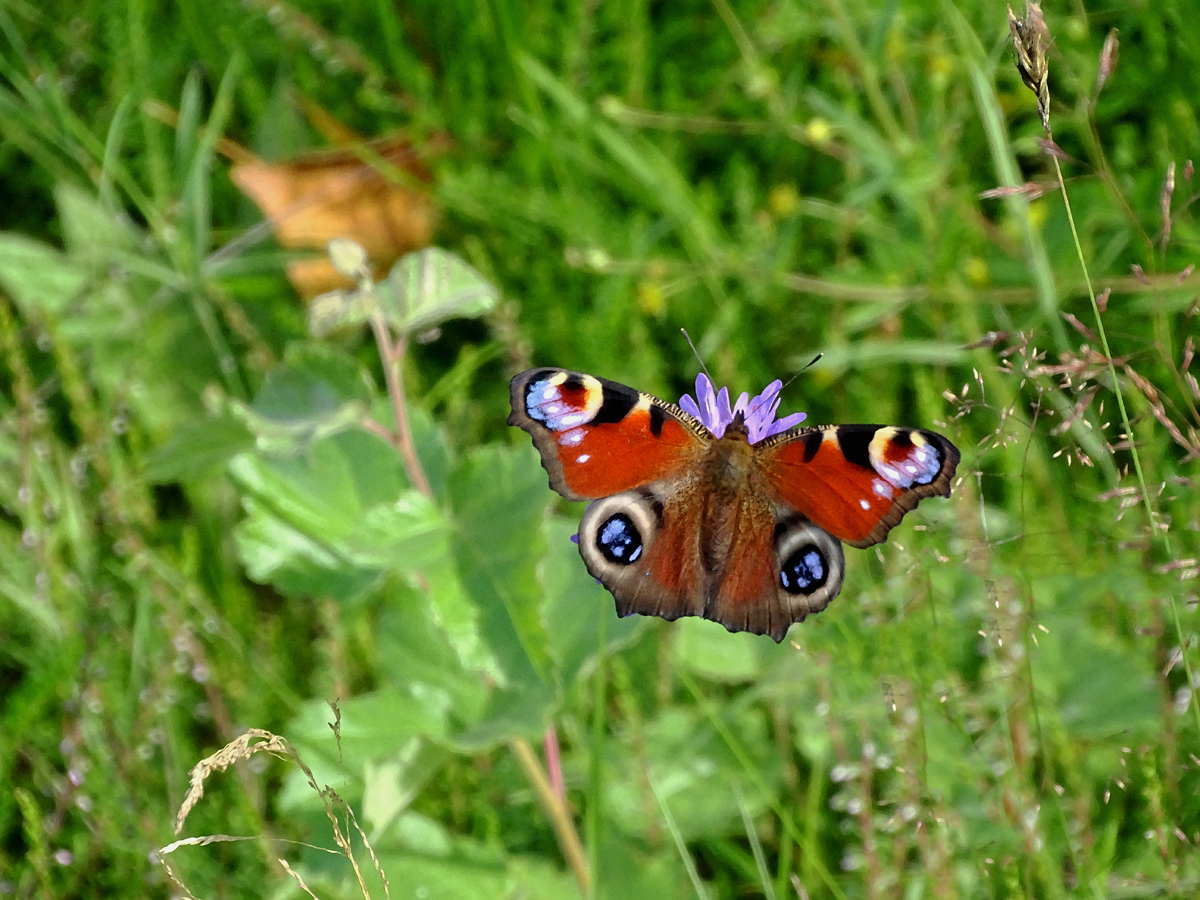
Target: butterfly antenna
703, 368
811, 363
787, 383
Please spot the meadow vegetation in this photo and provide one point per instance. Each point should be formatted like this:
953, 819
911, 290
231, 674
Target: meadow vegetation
299, 530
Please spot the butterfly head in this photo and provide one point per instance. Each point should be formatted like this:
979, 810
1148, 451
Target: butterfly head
753, 415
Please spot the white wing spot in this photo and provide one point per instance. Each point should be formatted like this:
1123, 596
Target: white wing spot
583, 457
865, 504
570, 438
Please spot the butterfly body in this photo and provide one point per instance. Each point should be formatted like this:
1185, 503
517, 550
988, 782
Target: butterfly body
737, 527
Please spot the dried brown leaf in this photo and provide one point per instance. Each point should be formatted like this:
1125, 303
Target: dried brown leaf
345, 193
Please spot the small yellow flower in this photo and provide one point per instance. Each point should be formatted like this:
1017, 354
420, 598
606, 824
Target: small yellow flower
650, 298
977, 272
818, 130
1037, 213
783, 201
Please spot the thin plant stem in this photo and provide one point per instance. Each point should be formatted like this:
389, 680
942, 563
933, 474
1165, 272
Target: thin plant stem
392, 354
556, 809
1125, 423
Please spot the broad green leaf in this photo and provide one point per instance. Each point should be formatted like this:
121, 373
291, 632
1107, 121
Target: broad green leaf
384, 726
520, 711
37, 276
392, 783
498, 495
466, 875
196, 448
340, 309
694, 770
92, 231
576, 610
423, 290
1097, 688
319, 392
421, 651
431, 286
331, 519
711, 652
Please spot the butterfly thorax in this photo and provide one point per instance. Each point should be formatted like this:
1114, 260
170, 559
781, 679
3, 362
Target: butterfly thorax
731, 477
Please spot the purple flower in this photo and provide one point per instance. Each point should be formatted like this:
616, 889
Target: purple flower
758, 412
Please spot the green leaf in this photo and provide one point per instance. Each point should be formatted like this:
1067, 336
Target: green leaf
694, 770
576, 610
419, 649
37, 276
1098, 688
319, 392
429, 287
499, 498
92, 231
384, 726
521, 711
334, 519
711, 652
423, 290
197, 448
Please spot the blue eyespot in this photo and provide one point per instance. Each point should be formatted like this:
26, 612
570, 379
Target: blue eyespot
805, 571
618, 539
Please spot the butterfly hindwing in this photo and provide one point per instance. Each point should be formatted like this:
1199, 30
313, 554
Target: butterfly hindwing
858, 481
597, 437
644, 547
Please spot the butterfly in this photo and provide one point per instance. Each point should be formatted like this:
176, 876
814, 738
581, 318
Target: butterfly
706, 510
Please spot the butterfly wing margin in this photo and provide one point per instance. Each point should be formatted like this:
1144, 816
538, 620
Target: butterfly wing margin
857, 481
597, 437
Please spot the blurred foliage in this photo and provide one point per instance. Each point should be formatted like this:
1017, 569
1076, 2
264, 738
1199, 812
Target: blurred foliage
210, 519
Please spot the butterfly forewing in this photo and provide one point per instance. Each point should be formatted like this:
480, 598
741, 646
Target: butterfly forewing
598, 438
858, 481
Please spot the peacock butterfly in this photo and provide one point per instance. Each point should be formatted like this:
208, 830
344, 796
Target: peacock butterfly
705, 510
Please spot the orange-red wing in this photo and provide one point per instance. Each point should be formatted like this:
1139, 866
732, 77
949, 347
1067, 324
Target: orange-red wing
598, 438
858, 481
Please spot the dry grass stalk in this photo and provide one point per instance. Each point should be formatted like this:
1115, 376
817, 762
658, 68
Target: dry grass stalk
1164, 202
1108, 60
1030, 39
256, 740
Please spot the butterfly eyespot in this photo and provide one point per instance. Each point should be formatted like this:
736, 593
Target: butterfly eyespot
618, 540
805, 571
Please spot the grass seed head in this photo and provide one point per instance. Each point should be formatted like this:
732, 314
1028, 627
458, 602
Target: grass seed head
1030, 39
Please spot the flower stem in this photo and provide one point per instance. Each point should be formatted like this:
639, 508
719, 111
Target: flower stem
392, 354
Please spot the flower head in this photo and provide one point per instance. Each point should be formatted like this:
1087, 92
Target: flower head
713, 411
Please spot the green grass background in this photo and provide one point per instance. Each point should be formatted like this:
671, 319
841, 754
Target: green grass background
193, 542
